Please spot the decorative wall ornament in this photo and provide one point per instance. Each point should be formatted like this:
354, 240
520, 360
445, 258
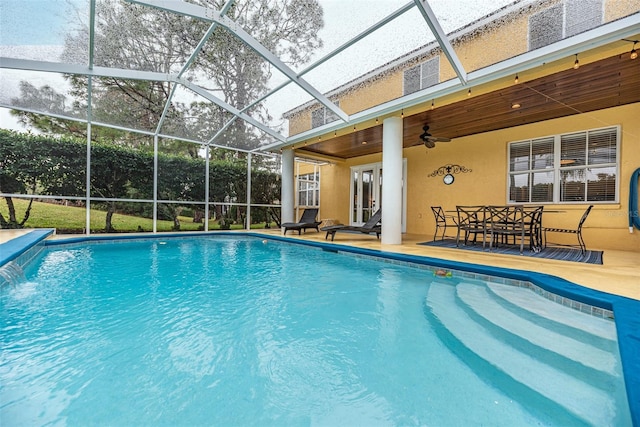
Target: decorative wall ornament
448, 169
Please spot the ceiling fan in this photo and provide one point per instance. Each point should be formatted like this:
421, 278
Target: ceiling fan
429, 140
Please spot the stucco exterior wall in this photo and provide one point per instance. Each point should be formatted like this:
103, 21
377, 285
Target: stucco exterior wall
616, 9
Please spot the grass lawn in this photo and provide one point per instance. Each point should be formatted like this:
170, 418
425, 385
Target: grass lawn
47, 215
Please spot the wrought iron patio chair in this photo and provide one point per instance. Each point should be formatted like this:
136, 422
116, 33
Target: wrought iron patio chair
577, 231
533, 226
442, 221
504, 222
471, 220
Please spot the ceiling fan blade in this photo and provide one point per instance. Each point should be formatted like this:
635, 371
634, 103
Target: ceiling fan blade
430, 141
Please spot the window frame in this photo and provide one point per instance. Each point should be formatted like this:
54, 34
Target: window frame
421, 75
312, 189
557, 168
566, 6
328, 116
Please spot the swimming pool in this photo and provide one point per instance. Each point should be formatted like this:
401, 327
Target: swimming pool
245, 330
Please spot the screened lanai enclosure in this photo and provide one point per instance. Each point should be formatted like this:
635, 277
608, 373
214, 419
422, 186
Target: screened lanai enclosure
176, 110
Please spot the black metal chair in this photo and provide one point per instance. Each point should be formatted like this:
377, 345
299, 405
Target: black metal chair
576, 231
533, 221
442, 221
471, 220
504, 222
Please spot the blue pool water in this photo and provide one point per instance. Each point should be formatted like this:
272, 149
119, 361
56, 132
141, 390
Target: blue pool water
244, 331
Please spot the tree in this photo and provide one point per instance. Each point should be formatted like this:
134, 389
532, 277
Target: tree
30, 163
143, 38
288, 28
41, 165
115, 171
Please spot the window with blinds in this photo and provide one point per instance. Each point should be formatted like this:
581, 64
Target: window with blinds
577, 167
322, 116
531, 179
582, 15
422, 75
564, 19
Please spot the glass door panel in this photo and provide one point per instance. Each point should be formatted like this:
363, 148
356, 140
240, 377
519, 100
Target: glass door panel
368, 193
356, 196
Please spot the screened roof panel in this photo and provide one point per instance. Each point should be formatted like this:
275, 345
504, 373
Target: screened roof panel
37, 29
138, 37
344, 20
268, 57
127, 103
515, 28
243, 136
402, 35
232, 71
40, 92
467, 12
193, 117
281, 101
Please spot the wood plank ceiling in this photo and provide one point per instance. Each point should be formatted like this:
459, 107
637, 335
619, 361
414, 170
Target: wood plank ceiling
602, 84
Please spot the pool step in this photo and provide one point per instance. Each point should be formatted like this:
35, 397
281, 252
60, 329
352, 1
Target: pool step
585, 402
568, 318
575, 356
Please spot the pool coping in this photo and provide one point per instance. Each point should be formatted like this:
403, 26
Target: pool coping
625, 309
11, 250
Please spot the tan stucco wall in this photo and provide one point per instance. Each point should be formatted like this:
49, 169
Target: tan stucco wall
616, 9
490, 47
486, 155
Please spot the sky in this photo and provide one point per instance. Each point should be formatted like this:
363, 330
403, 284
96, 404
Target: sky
32, 22
29, 29
35, 29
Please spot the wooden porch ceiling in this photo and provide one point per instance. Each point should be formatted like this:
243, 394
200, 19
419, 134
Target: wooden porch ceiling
603, 84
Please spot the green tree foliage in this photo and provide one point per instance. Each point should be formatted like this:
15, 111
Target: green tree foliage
30, 163
35, 164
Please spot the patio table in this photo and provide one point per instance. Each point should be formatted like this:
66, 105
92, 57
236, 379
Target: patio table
481, 222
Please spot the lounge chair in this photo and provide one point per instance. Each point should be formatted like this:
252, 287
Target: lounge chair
369, 227
307, 220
